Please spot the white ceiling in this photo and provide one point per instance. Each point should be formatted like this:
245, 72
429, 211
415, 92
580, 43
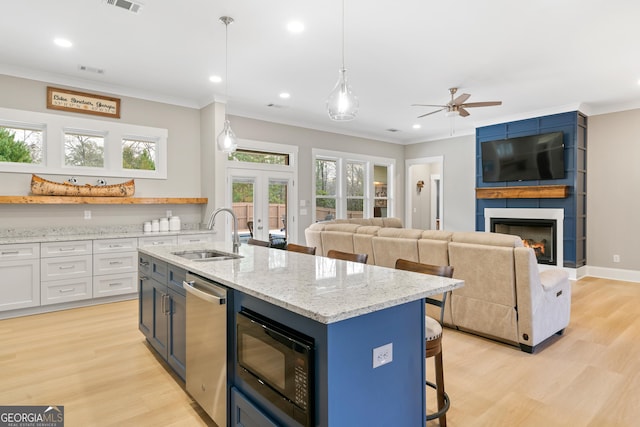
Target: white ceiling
538, 57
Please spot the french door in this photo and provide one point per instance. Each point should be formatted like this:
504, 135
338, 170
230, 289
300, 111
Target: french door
261, 200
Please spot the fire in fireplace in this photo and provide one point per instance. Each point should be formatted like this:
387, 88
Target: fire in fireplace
538, 234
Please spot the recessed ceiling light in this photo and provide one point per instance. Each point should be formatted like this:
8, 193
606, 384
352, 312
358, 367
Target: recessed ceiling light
295, 26
62, 42
416, 126
215, 79
285, 95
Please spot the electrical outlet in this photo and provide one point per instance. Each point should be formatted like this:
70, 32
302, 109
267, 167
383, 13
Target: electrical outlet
616, 258
382, 355
87, 214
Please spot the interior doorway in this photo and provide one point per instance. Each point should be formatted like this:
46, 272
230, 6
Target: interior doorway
424, 207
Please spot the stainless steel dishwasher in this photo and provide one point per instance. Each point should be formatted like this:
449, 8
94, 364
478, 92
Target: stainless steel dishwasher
206, 341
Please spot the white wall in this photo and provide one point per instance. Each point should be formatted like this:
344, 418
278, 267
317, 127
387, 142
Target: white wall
183, 171
613, 190
458, 173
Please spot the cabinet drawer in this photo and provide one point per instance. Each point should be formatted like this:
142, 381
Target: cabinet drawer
115, 284
157, 240
159, 270
195, 238
115, 245
19, 251
56, 249
65, 267
144, 265
57, 291
111, 263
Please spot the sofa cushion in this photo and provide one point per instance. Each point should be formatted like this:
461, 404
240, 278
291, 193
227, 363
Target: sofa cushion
403, 233
434, 252
346, 228
390, 222
493, 239
437, 235
387, 250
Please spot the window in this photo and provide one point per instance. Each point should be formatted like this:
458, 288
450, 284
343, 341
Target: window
19, 144
33, 142
81, 149
259, 157
326, 180
355, 190
352, 186
138, 154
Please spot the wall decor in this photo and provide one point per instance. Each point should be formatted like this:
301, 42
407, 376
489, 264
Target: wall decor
82, 102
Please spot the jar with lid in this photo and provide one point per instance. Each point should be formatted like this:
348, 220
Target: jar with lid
174, 223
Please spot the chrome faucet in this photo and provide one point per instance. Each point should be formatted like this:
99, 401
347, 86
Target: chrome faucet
236, 236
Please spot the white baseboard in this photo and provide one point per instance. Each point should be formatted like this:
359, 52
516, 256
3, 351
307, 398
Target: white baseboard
613, 273
602, 272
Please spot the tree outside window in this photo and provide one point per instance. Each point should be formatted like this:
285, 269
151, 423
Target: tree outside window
20, 145
83, 150
138, 154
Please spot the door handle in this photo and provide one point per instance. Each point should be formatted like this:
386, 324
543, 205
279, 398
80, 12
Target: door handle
188, 286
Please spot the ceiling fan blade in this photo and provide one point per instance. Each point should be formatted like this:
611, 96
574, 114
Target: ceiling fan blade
460, 100
433, 112
462, 112
482, 104
428, 105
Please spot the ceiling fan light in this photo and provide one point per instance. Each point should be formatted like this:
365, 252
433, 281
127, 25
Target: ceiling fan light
451, 113
226, 139
342, 104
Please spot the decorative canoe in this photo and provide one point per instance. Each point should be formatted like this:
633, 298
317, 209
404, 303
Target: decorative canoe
42, 187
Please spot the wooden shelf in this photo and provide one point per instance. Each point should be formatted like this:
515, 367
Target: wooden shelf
70, 200
524, 192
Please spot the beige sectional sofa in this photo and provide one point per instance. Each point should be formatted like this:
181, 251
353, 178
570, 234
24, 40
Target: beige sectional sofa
505, 297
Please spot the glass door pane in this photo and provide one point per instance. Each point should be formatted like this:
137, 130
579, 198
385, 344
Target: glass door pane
242, 193
380, 195
355, 190
278, 199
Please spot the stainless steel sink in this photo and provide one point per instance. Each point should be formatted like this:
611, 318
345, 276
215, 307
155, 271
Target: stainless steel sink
206, 255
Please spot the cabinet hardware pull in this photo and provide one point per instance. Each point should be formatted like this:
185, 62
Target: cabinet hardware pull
144, 263
115, 246
143, 278
66, 267
115, 284
67, 290
115, 262
10, 252
66, 249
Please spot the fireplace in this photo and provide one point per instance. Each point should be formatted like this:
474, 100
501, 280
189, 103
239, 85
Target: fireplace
538, 234
533, 225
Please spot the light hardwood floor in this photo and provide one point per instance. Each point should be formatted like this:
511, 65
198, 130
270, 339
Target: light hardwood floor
96, 363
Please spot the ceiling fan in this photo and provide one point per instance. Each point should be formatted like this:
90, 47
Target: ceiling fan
457, 106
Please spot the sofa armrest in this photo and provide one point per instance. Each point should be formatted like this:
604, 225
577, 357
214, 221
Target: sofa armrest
552, 280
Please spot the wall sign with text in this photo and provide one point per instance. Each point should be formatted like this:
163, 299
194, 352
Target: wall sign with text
81, 102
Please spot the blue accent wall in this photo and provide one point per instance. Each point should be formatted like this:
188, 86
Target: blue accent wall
573, 126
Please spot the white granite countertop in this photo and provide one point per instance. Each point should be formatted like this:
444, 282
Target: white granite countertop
320, 288
66, 236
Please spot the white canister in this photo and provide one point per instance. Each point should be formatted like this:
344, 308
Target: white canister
146, 227
155, 225
174, 223
164, 224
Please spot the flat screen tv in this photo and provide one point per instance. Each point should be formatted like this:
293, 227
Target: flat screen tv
535, 157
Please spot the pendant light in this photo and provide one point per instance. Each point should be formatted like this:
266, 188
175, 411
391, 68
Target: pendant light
226, 140
342, 104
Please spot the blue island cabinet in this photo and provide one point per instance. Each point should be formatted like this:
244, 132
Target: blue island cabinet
348, 391
162, 310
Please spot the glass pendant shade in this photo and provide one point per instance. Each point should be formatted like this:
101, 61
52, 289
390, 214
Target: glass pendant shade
342, 104
227, 139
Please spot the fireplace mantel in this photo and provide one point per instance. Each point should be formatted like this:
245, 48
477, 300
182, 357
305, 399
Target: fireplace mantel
524, 192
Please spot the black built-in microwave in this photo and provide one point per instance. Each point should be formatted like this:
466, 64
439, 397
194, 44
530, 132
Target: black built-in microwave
277, 362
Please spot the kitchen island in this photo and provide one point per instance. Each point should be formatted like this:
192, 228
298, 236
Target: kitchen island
349, 310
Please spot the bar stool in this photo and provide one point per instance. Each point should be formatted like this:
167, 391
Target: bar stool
310, 250
348, 256
433, 335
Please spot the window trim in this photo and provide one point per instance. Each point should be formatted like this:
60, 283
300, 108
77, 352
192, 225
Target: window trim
54, 127
342, 158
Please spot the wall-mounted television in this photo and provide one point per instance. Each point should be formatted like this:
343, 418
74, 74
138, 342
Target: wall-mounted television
535, 157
